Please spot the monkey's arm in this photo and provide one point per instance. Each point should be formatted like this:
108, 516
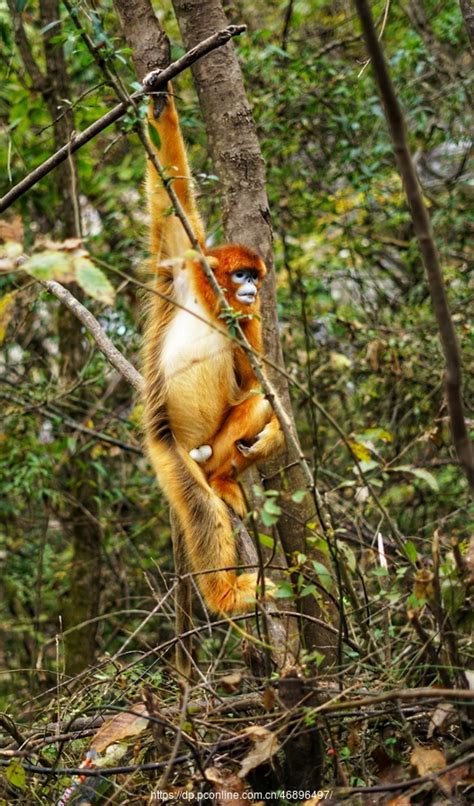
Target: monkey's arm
168, 238
250, 432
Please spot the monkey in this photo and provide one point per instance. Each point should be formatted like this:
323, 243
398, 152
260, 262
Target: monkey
206, 419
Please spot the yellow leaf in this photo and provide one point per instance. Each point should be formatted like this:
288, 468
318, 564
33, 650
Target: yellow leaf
339, 362
359, 450
7, 304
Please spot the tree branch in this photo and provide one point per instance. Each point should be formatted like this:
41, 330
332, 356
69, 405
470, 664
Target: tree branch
77, 141
23, 45
429, 253
93, 327
468, 14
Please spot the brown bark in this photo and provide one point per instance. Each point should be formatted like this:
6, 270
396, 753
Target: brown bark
238, 161
149, 43
55, 91
428, 250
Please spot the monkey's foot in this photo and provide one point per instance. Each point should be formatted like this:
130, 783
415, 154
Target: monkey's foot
201, 454
249, 448
242, 595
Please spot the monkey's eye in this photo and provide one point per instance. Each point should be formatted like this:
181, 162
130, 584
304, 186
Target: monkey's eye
245, 275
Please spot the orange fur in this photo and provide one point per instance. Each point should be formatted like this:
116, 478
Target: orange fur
200, 388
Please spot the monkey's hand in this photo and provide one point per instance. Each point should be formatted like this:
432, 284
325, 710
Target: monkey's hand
160, 96
201, 454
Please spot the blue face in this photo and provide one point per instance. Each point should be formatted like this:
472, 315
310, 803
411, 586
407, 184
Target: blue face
246, 280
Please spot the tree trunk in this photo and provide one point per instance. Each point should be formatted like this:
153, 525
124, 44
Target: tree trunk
79, 479
238, 161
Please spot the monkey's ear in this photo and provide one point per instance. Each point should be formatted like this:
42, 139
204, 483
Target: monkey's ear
213, 261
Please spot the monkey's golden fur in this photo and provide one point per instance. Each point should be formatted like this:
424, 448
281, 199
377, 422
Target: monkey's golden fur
200, 388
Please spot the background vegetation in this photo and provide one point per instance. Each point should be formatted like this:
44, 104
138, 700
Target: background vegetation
358, 334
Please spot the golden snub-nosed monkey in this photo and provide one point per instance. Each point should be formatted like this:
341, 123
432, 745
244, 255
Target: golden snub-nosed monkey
205, 417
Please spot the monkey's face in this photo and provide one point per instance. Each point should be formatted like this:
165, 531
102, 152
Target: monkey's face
239, 272
247, 285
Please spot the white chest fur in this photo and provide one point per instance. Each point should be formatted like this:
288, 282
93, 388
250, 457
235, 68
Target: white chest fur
190, 339
196, 362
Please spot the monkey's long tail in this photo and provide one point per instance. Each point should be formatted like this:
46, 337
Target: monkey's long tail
206, 526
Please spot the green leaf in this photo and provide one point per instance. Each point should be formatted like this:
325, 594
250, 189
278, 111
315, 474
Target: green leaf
307, 590
50, 265
420, 473
364, 466
284, 591
93, 281
16, 775
348, 555
49, 26
270, 512
154, 136
379, 571
272, 507
324, 574
266, 540
410, 551
298, 496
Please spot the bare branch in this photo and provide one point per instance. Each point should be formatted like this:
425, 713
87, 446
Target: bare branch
103, 342
77, 141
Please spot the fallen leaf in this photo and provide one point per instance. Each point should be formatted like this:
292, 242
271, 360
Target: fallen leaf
231, 682
425, 760
339, 362
265, 746
454, 777
441, 718
374, 350
15, 774
119, 727
227, 786
269, 698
